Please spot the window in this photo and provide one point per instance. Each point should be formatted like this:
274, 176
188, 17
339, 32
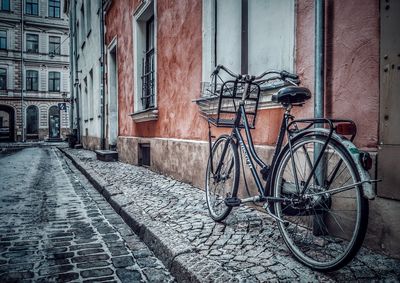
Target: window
32, 120
148, 70
32, 7
54, 45
54, 8
32, 80
82, 21
5, 5
32, 43
3, 79
88, 16
54, 81
3, 39
145, 75
242, 35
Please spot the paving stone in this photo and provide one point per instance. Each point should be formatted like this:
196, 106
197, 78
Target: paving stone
127, 275
96, 272
123, 261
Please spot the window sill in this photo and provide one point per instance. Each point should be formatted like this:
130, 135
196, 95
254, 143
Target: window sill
150, 114
83, 44
88, 33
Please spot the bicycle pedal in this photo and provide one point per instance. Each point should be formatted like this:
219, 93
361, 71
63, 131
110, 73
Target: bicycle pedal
233, 201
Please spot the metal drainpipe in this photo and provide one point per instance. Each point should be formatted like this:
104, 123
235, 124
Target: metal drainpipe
78, 119
22, 72
319, 100
102, 98
319, 58
71, 81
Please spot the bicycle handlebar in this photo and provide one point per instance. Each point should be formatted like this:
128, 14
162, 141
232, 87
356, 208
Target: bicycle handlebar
282, 74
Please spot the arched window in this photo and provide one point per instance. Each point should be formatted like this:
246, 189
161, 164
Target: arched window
32, 120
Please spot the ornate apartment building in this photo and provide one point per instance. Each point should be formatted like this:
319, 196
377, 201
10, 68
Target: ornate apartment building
34, 70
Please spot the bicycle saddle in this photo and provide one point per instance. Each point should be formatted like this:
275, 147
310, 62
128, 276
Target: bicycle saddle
292, 95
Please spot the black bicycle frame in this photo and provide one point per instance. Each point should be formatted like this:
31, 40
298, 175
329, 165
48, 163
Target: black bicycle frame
249, 151
252, 157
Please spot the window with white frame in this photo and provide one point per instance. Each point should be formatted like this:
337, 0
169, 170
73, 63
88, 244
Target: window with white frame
54, 45
54, 8
248, 36
3, 79
54, 81
5, 5
3, 39
32, 80
88, 16
145, 62
32, 7
83, 28
32, 43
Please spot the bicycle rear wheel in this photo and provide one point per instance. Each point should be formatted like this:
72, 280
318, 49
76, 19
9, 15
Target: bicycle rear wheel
223, 181
324, 230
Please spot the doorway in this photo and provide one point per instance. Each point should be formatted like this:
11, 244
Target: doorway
6, 124
112, 95
54, 122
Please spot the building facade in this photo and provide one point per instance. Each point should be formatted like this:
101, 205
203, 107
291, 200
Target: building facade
158, 52
86, 70
34, 70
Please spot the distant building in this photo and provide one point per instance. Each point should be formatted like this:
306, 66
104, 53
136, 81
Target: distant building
34, 91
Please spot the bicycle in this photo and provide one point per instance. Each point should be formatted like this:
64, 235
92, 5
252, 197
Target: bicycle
317, 186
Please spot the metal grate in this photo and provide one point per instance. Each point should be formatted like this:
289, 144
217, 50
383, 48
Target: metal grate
144, 154
148, 80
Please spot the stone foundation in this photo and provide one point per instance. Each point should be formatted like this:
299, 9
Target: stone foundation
91, 143
186, 160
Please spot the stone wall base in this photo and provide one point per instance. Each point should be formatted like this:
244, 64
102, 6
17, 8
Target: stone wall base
186, 160
91, 143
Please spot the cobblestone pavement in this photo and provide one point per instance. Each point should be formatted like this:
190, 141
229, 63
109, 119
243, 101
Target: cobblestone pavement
55, 227
246, 248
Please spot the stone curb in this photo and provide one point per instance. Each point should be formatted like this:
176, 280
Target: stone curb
184, 263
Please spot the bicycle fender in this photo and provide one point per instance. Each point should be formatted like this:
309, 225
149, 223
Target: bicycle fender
369, 191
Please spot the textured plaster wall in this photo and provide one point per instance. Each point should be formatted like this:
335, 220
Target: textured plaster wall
352, 62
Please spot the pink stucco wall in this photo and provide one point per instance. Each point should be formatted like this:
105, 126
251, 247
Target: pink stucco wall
352, 62
352, 68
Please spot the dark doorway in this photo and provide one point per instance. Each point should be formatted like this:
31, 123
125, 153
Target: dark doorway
54, 122
32, 122
6, 124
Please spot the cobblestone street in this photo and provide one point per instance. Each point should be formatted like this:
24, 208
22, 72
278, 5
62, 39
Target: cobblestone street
173, 220
54, 226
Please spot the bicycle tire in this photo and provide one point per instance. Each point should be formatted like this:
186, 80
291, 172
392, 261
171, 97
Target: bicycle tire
326, 233
215, 196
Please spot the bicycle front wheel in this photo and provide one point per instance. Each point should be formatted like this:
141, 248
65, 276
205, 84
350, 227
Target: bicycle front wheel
324, 228
222, 178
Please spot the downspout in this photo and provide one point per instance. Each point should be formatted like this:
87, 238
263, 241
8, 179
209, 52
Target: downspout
319, 101
319, 58
102, 100
22, 73
71, 81
75, 54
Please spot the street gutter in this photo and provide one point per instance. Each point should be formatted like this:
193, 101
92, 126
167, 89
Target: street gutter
177, 255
